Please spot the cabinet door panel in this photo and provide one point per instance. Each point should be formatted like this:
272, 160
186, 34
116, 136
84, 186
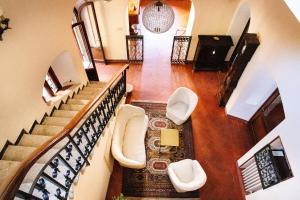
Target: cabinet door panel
258, 128
274, 114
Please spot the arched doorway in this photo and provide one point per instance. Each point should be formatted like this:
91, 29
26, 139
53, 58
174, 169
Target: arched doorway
158, 48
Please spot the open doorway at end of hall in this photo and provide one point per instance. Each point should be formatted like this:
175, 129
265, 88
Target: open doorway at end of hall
158, 46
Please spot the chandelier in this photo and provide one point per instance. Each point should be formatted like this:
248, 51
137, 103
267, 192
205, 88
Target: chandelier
158, 17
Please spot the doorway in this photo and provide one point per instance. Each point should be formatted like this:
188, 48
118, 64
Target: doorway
87, 14
84, 47
158, 47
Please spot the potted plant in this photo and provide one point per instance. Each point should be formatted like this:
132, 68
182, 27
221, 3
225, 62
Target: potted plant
120, 197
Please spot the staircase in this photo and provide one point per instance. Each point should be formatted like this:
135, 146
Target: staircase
14, 154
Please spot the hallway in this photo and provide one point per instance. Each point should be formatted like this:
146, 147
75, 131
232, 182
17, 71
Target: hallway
158, 47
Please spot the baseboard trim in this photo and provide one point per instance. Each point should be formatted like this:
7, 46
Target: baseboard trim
237, 119
32, 126
189, 62
4, 148
20, 136
111, 61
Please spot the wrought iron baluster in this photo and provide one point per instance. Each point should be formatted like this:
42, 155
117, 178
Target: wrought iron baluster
67, 164
68, 180
85, 135
49, 178
97, 123
78, 149
54, 165
100, 119
94, 135
41, 186
102, 108
58, 194
68, 150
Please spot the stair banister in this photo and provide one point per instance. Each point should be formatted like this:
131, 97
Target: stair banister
13, 183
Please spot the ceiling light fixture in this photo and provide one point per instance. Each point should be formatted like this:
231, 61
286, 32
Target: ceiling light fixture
158, 17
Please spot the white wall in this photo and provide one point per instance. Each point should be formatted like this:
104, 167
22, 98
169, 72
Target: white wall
237, 26
275, 62
94, 180
211, 17
64, 68
191, 20
41, 30
294, 7
113, 22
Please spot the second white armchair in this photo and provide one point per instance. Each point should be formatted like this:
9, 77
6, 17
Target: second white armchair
186, 175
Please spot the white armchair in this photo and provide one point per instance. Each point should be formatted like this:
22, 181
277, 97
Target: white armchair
128, 143
181, 104
186, 175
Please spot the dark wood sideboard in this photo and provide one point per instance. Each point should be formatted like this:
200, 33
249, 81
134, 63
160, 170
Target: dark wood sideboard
211, 52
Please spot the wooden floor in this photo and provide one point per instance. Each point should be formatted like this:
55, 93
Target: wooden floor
219, 141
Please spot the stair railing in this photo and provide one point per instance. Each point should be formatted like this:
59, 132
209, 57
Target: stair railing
66, 154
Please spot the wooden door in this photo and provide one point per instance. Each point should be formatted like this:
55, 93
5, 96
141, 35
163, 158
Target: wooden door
267, 117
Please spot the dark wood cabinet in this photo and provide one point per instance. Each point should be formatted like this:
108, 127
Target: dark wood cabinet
211, 52
268, 116
245, 50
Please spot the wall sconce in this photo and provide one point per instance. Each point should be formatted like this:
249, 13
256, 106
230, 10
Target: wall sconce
3, 24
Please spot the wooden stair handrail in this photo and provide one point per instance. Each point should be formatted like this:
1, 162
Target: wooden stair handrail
15, 181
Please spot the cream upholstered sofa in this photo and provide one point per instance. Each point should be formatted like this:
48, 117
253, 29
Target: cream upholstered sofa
181, 104
186, 175
128, 143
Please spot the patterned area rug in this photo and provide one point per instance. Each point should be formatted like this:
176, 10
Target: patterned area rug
153, 181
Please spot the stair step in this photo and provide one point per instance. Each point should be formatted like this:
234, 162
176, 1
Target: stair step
71, 107
77, 102
84, 96
56, 121
46, 130
86, 92
38, 140
64, 113
6, 166
93, 89
33, 140
96, 84
19, 153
